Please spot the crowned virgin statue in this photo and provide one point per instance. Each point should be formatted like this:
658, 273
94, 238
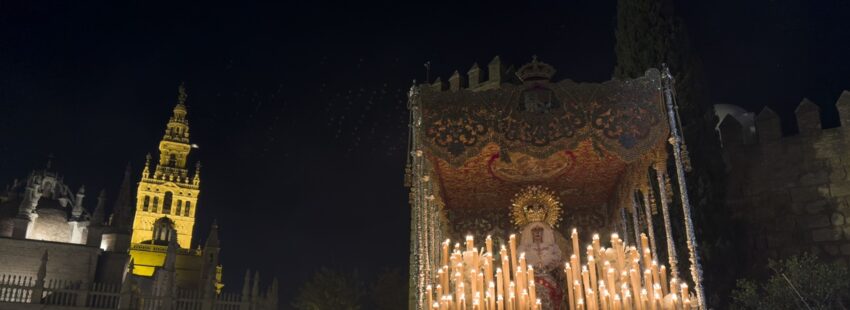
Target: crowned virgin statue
536, 211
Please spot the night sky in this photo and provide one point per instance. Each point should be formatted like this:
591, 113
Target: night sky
299, 108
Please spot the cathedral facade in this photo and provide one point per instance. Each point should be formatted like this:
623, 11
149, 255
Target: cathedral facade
58, 253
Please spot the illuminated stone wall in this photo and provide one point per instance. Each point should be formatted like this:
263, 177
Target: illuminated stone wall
791, 193
65, 261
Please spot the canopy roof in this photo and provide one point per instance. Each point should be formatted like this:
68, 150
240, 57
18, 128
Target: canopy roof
577, 139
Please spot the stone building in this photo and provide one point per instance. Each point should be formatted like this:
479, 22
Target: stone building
791, 193
43, 208
57, 254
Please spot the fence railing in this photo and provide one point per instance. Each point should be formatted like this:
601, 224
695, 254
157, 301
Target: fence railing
28, 289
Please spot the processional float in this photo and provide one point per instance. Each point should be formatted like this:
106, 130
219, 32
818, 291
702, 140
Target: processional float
512, 167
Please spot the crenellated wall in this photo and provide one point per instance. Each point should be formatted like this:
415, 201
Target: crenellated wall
791, 193
474, 78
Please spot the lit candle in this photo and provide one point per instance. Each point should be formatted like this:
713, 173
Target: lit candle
445, 259
532, 288
574, 260
506, 269
664, 286
656, 279
636, 290
578, 292
568, 270
576, 249
591, 268
512, 296
430, 294
500, 284
488, 243
470, 243
512, 242
685, 291
585, 278
491, 295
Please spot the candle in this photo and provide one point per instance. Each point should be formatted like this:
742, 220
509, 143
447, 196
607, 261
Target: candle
619, 277
576, 267
574, 237
430, 293
636, 289
656, 279
500, 285
591, 266
445, 259
512, 242
568, 270
532, 288
488, 244
596, 245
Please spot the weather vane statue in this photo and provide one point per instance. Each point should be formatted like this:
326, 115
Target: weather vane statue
181, 93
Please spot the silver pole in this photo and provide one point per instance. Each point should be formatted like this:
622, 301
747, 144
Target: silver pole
676, 142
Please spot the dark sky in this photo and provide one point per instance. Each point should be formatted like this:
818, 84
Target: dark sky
299, 109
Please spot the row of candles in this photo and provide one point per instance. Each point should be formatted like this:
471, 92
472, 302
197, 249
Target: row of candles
474, 279
621, 278
468, 279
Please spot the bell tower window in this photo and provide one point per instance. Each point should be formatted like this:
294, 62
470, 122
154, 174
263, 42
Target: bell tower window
179, 207
155, 204
163, 228
166, 203
188, 206
172, 160
146, 203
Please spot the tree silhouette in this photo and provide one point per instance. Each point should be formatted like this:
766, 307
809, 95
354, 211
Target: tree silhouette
329, 289
648, 34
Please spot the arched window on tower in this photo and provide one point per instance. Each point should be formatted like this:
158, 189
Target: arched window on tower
163, 228
172, 160
146, 203
179, 207
155, 204
166, 203
186, 211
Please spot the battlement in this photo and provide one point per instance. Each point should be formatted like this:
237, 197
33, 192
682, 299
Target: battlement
768, 127
475, 79
791, 191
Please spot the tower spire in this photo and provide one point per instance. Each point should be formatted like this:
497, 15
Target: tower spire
97, 217
212, 239
122, 218
196, 180
146, 173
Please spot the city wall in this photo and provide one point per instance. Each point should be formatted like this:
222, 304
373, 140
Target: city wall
791, 194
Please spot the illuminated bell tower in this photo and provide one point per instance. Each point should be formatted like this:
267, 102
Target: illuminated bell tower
168, 195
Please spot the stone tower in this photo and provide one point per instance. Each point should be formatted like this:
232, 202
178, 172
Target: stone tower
167, 194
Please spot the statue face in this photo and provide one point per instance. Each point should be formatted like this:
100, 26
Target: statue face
537, 241
537, 235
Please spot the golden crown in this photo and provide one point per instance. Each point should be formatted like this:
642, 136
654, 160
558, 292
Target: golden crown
536, 204
535, 70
